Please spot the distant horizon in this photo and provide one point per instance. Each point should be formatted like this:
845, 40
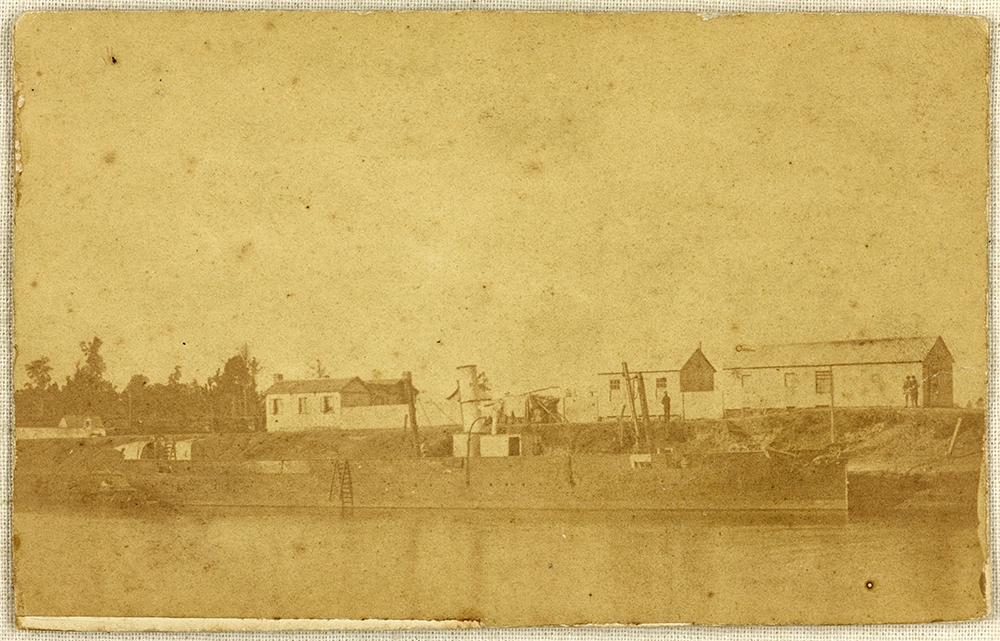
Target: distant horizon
266, 378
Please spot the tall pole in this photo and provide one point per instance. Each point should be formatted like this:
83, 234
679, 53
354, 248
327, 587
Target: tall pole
468, 435
644, 405
411, 401
833, 429
954, 435
468, 450
631, 401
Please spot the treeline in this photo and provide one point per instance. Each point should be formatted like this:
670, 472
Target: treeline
228, 401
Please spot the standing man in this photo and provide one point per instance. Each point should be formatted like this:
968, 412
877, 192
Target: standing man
666, 406
908, 389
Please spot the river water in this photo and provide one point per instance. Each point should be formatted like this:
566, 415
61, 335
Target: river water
501, 567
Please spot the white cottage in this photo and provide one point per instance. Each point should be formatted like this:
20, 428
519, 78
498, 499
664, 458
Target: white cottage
337, 403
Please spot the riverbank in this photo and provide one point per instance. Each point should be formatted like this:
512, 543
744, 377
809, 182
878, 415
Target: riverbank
895, 459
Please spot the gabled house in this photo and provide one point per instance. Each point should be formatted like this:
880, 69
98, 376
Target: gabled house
690, 386
337, 403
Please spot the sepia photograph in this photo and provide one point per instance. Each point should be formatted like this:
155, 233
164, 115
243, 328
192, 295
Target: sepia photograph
463, 319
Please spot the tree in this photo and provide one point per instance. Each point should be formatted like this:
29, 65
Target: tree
86, 391
40, 373
136, 385
93, 362
236, 403
174, 407
135, 398
252, 365
38, 402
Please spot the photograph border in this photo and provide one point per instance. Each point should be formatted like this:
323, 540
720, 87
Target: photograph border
988, 628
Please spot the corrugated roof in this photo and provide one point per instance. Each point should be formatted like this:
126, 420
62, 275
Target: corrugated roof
313, 386
856, 352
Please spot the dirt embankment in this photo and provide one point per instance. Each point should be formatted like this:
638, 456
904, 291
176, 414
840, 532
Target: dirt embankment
894, 457
872, 440
72, 456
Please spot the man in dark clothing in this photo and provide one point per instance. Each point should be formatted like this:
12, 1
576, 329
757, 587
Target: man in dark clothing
666, 407
912, 389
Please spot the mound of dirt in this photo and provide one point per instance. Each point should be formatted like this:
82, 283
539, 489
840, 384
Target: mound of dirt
890, 440
877, 439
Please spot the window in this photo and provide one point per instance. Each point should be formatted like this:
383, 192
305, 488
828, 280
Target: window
327, 404
744, 381
303, 406
616, 384
791, 380
661, 383
824, 382
275, 405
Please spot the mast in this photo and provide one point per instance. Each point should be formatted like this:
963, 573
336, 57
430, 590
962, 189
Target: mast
631, 401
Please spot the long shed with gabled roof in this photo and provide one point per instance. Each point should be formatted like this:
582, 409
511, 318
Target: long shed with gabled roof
852, 373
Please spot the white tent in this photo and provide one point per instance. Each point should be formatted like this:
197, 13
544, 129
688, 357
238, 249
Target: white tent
133, 451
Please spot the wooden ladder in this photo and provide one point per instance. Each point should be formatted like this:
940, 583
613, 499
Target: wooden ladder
342, 471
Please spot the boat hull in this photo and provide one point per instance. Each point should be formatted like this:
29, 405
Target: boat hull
729, 481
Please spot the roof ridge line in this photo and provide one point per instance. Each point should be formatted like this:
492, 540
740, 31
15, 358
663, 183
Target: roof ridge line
846, 340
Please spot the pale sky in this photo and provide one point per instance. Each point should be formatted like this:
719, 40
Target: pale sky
541, 195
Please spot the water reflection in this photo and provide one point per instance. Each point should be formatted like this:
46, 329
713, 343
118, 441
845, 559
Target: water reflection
509, 567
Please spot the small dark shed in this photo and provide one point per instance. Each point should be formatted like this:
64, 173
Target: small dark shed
937, 376
697, 374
